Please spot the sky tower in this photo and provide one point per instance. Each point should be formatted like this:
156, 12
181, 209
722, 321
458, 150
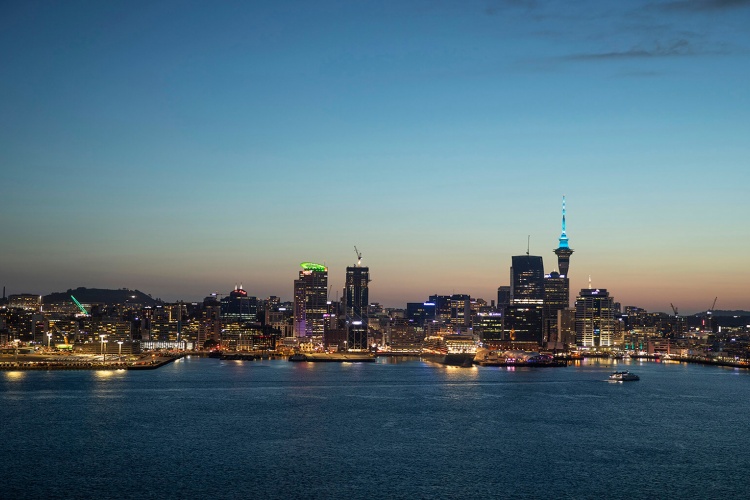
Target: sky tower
563, 251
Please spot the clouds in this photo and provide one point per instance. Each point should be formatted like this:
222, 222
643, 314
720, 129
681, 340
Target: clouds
677, 48
704, 5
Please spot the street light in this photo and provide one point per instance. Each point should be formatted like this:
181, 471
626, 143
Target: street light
239, 347
104, 355
49, 340
119, 350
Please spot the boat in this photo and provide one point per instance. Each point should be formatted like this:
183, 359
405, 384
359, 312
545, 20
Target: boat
454, 350
625, 376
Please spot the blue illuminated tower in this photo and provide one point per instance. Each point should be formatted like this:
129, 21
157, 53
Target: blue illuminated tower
563, 251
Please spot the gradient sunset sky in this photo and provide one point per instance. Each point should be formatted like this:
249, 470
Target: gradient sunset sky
183, 147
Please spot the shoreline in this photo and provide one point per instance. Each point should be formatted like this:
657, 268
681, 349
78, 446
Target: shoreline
45, 363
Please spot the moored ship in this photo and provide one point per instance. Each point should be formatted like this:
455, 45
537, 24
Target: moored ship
455, 350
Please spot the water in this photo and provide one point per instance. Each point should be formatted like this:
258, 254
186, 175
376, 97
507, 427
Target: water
394, 429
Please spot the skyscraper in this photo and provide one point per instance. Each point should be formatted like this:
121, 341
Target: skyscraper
563, 251
556, 298
524, 318
355, 303
595, 318
238, 306
310, 300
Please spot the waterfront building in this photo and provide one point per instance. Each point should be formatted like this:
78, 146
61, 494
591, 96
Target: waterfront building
356, 302
595, 318
310, 300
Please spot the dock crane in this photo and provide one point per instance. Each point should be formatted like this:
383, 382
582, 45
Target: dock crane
359, 256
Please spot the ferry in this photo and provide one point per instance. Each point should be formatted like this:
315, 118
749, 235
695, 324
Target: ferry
625, 376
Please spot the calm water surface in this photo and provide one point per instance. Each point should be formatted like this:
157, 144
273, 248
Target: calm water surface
394, 429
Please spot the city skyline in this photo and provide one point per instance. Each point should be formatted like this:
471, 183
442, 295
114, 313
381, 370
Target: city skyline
183, 150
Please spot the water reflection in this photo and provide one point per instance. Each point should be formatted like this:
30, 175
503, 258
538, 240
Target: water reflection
15, 375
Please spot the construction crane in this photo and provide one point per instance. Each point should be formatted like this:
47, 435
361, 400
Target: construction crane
674, 309
708, 322
713, 306
359, 256
83, 309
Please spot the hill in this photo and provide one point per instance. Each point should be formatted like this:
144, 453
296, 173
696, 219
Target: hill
101, 296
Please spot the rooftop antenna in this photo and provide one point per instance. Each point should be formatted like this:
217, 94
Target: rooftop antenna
528, 244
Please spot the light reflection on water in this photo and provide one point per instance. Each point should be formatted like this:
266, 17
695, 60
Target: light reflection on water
14, 375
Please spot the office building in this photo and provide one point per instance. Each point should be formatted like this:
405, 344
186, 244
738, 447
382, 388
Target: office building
460, 312
524, 319
310, 300
238, 307
556, 298
356, 302
489, 327
503, 298
595, 318
418, 313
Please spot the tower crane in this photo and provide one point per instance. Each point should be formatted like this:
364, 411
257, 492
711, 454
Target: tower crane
359, 256
713, 306
674, 309
708, 323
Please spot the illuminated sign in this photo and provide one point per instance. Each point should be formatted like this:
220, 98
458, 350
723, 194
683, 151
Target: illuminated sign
311, 266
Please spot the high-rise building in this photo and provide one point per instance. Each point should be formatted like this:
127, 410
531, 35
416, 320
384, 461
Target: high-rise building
556, 298
420, 312
563, 250
525, 315
595, 318
503, 298
489, 326
356, 301
442, 308
460, 311
527, 280
238, 307
310, 300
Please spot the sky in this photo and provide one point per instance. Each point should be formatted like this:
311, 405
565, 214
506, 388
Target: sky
184, 147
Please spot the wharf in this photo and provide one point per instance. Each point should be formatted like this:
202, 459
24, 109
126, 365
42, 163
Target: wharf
532, 364
333, 357
40, 362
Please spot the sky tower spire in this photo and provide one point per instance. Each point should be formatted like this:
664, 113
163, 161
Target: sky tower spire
563, 235
563, 250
